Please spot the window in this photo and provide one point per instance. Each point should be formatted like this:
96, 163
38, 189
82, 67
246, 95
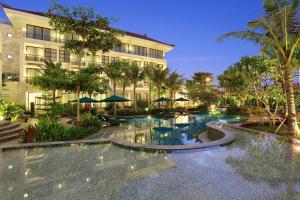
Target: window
34, 54
9, 56
64, 56
105, 59
40, 33
93, 59
125, 48
138, 50
32, 72
9, 35
156, 53
50, 54
114, 59
69, 36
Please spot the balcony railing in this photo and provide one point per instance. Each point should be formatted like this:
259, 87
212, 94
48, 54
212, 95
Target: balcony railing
34, 58
41, 37
76, 62
93, 63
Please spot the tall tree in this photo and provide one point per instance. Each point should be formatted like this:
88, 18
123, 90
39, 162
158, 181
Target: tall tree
149, 74
89, 80
53, 77
92, 33
278, 30
174, 83
114, 72
160, 74
135, 74
203, 78
124, 79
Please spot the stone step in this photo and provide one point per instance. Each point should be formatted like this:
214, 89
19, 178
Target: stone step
12, 131
4, 123
8, 126
9, 137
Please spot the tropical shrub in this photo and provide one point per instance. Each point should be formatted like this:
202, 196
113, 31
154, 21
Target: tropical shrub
50, 130
47, 130
11, 110
89, 120
56, 110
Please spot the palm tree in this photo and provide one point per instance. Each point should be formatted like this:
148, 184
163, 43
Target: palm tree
279, 31
173, 83
124, 79
53, 77
159, 76
113, 71
149, 76
135, 74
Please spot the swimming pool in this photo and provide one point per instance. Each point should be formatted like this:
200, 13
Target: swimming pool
178, 130
253, 167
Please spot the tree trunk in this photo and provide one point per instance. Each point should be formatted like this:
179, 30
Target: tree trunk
293, 128
114, 87
149, 95
54, 96
134, 97
158, 91
78, 93
123, 94
78, 104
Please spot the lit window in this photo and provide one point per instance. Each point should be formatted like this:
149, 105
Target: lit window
9, 56
9, 35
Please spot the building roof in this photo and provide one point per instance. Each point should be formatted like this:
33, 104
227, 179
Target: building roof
136, 35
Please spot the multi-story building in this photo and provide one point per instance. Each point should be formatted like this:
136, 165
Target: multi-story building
26, 39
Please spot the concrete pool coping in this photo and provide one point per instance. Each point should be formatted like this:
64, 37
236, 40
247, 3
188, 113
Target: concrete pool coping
227, 138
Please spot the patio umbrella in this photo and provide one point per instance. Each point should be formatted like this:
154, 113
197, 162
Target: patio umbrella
85, 100
114, 99
181, 99
162, 99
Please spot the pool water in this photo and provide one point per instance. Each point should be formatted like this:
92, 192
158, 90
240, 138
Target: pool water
178, 130
252, 167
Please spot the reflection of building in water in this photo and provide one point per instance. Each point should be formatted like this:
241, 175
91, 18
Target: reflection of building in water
57, 173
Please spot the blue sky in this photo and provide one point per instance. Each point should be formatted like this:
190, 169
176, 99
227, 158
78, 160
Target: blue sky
192, 25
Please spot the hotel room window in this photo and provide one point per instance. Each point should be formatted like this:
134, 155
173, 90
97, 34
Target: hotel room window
105, 59
64, 56
50, 54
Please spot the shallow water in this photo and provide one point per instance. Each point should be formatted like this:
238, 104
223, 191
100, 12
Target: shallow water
180, 130
252, 167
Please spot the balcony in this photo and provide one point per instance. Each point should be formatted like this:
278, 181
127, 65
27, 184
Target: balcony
34, 58
76, 62
93, 63
41, 37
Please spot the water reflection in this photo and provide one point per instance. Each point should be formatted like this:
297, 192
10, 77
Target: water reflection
265, 159
95, 171
180, 130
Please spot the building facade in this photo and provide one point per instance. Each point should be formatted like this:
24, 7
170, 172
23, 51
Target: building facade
26, 39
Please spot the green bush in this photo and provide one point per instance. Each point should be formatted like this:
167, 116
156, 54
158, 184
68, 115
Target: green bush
234, 110
48, 130
56, 110
70, 109
89, 120
11, 110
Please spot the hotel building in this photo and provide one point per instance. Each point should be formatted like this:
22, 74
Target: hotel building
26, 39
